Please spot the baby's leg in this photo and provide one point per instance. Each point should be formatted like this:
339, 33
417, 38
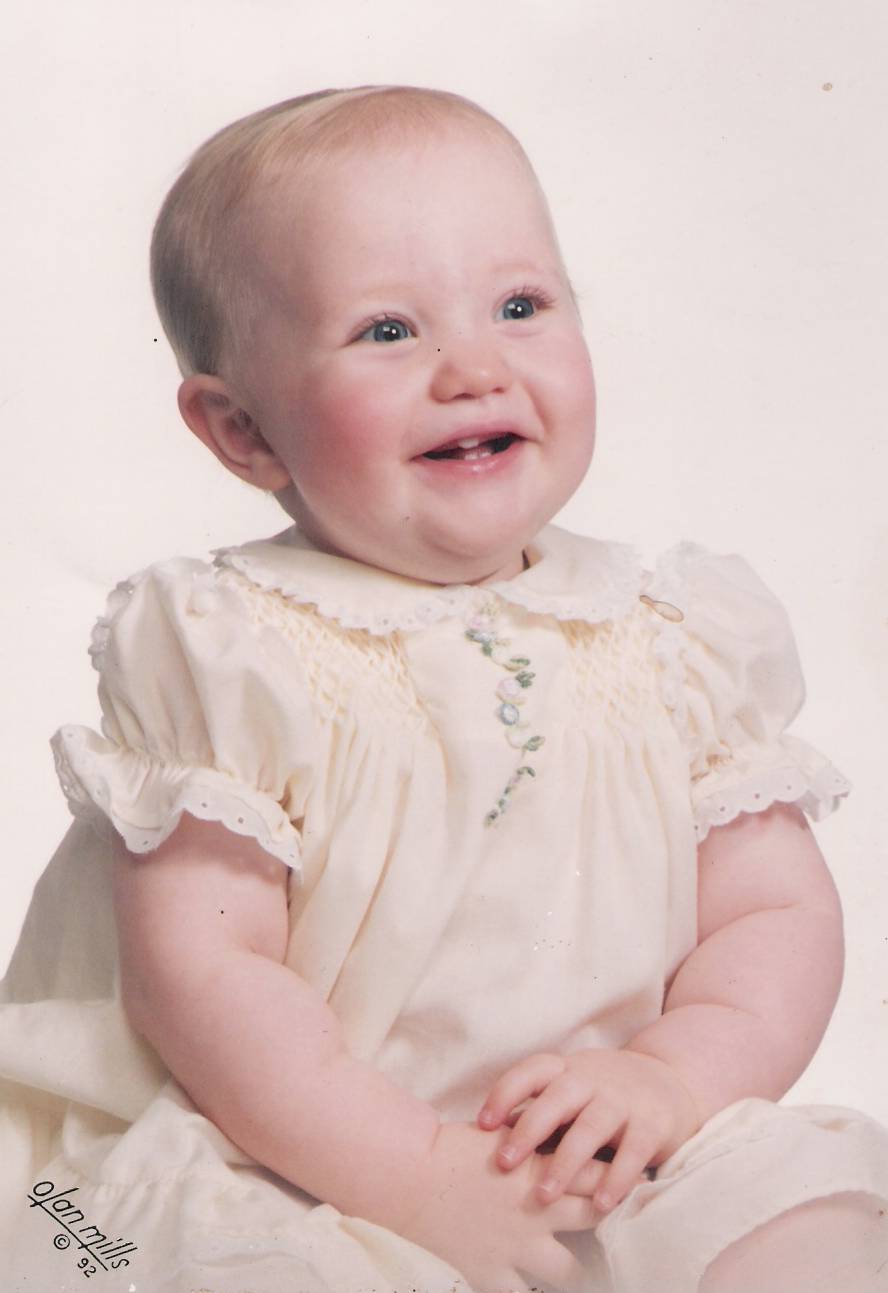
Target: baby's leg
836, 1242
764, 1199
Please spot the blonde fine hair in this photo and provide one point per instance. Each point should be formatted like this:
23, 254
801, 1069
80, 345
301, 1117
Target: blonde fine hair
203, 294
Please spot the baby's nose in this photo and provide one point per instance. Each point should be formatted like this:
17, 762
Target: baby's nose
469, 368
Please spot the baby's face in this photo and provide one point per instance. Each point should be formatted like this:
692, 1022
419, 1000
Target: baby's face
416, 299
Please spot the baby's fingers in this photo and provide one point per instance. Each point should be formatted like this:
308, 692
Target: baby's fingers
587, 1180
596, 1125
591, 1174
571, 1212
636, 1150
525, 1079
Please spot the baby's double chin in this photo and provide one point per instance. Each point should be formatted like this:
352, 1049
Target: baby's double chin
435, 566
477, 572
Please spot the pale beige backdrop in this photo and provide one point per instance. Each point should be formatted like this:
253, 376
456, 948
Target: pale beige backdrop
717, 171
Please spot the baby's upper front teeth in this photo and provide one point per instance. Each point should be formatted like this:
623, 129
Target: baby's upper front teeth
468, 444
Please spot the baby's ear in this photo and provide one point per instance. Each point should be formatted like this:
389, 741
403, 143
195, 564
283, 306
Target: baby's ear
217, 418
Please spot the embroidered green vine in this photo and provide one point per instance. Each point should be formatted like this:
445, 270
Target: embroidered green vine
482, 629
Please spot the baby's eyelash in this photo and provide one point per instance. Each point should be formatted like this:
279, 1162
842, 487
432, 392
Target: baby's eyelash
372, 322
538, 295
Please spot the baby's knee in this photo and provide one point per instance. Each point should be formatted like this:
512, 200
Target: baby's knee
838, 1241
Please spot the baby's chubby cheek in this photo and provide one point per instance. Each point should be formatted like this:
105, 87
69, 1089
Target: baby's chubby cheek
560, 378
345, 437
573, 408
579, 377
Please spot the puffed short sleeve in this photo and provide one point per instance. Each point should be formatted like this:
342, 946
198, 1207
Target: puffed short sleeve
734, 682
202, 712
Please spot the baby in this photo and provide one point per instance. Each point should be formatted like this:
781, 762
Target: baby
467, 923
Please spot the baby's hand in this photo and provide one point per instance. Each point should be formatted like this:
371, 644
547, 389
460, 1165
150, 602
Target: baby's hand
619, 1098
491, 1225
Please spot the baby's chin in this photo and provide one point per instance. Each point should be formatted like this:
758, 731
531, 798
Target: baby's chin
448, 567
429, 558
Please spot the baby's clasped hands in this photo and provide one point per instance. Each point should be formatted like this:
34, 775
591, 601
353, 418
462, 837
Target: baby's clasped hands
609, 1097
492, 1226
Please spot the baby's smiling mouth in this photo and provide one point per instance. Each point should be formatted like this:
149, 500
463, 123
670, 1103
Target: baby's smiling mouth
474, 447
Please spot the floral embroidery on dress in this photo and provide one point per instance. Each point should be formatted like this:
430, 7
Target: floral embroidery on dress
511, 696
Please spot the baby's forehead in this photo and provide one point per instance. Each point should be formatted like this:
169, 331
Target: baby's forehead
469, 197
306, 190
362, 154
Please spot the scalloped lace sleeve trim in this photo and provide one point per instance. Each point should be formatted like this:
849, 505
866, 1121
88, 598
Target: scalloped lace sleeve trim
85, 779
817, 793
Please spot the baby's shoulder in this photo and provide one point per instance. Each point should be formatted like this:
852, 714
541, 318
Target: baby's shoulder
598, 580
701, 582
168, 599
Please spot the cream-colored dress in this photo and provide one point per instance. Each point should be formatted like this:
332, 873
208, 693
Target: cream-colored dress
490, 801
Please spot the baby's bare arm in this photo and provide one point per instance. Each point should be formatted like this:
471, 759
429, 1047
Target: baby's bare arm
743, 1016
202, 927
203, 931
748, 1008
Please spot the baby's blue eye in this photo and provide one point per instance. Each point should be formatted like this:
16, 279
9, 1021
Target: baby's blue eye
519, 307
386, 330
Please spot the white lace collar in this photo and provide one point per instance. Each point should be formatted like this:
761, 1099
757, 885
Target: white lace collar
569, 576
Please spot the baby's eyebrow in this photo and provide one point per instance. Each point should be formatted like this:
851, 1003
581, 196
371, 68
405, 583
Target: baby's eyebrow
522, 267
515, 269
386, 287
